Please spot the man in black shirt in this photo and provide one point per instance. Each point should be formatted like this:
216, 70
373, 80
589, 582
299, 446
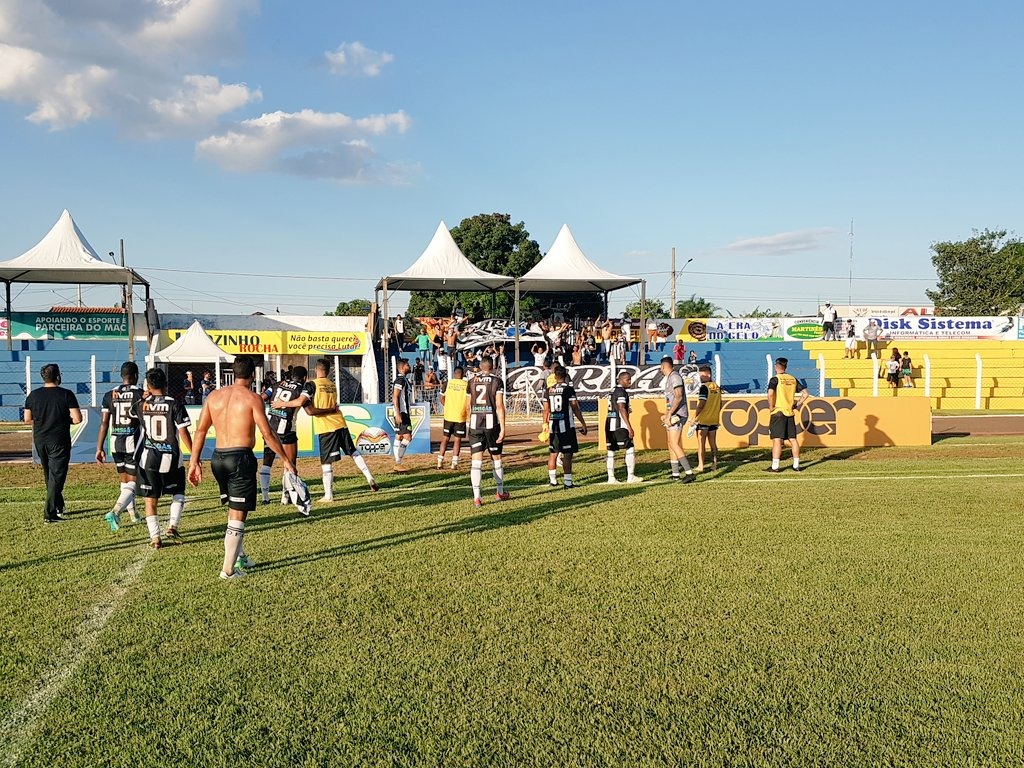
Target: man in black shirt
560, 405
51, 410
401, 397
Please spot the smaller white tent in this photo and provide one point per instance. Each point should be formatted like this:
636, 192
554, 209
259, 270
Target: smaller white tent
565, 268
193, 346
443, 267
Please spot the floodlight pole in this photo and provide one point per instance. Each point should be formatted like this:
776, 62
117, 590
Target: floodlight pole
672, 309
642, 345
128, 308
384, 337
10, 329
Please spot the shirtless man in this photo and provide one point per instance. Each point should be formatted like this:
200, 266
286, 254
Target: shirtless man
606, 340
234, 413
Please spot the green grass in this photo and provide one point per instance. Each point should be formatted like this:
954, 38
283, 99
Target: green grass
850, 615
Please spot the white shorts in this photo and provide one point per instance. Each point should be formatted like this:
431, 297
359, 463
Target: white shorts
851, 343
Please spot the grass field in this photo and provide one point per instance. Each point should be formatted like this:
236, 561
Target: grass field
864, 612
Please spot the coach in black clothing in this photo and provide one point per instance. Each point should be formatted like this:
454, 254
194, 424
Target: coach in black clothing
51, 410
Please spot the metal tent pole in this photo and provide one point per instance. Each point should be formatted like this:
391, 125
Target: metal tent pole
516, 318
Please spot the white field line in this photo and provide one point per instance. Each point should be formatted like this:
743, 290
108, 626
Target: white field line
18, 729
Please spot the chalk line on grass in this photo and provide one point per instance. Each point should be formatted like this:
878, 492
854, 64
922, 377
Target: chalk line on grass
18, 729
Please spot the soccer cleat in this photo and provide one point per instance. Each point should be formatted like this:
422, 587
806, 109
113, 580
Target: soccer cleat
156, 543
478, 502
503, 496
235, 574
244, 563
265, 500
612, 481
173, 535
440, 461
373, 486
772, 469
798, 469
113, 520
634, 479
135, 516
570, 485
688, 478
553, 485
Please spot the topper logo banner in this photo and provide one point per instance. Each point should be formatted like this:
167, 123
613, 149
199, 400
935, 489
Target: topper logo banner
748, 419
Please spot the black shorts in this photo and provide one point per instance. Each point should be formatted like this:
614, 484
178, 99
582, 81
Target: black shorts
563, 442
618, 439
707, 427
153, 484
288, 438
124, 462
333, 444
235, 471
486, 440
454, 429
782, 427
403, 425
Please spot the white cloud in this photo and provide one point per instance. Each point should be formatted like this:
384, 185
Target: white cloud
356, 59
783, 243
306, 143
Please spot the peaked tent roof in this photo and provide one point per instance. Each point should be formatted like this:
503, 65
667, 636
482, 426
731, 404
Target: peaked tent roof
443, 267
566, 268
64, 256
193, 346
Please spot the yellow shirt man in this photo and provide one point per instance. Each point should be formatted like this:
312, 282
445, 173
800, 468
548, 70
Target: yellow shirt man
786, 387
711, 395
325, 395
455, 401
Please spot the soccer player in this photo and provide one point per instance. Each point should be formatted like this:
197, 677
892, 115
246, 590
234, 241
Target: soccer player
401, 395
559, 407
485, 420
288, 395
119, 407
785, 396
453, 398
330, 426
160, 470
235, 413
707, 417
675, 417
618, 432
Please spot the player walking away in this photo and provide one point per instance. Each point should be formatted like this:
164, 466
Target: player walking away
267, 394
288, 395
675, 417
453, 398
165, 424
618, 432
559, 407
332, 430
121, 419
707, 417
485, 420
401, 396
783, 402
235, 413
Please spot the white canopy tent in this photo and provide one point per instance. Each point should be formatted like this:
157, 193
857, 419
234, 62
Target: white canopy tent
193, 346
65, 256
441, 267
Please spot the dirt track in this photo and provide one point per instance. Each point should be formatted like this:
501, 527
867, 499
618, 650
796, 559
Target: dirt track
945, 426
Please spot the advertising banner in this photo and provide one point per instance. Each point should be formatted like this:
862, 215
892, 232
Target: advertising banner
57, 325
325, 343
823, 422
771, 329
236, 342
372, 428
593, 381
941, 328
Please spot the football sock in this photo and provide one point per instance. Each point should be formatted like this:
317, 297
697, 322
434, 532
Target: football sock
153, 523
675, 468
475, 476
610, 463
775, 463
361, 464
553, 476
568, 479
328, 471
265, 482
796, 462
232, 544
177, 507
630, 461
685, 464
126, 498
499, 476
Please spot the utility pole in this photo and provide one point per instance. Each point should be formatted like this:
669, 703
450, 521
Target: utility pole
672, 306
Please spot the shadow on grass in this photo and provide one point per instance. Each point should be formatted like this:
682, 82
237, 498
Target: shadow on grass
546, 504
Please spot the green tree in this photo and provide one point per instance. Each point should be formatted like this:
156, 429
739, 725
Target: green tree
353, 307
983, 275
696, 306
494, 244
655, 308
758, 312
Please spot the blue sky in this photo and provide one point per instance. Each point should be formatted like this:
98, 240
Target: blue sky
747, 135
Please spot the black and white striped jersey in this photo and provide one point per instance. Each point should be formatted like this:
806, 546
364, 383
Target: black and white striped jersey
404, 390
618, 397
162, 416
484, 391
125, 426
282, 420
561, 397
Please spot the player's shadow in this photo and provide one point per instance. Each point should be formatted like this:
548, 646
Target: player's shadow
548, 502
650, 423
873, 436
99, 549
